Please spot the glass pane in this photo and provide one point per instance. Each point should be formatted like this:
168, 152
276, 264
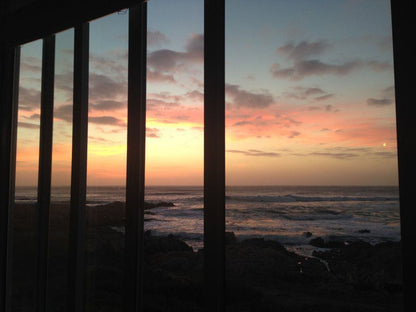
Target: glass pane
107, 139
61, 173
312, 196
27, 156
174, 157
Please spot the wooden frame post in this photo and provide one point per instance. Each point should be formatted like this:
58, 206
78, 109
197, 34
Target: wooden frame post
136, 138
9, 88
404, 65
214, 154
77, 225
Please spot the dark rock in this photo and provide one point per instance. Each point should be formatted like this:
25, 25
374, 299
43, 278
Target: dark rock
364, 231
263, 243
321, 243
164, 244
147, 234
366, 267
230, 238
307, 234
261, 275
259, 271
317, 242
148, 205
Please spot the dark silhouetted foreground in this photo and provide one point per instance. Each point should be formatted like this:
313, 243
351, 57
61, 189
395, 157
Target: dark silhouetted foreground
261, 275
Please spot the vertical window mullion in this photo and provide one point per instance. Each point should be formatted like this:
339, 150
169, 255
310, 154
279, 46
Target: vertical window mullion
9, 88
79, 171
45, 168
404, 64
214, 155
135, 157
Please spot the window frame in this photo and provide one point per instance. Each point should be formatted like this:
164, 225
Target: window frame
39, 19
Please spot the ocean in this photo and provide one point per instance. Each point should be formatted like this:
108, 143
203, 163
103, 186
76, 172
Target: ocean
291, 215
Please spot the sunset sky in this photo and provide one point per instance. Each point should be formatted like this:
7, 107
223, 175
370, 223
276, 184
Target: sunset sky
309, 96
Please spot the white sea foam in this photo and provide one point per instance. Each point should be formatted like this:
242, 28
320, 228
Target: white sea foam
282, 213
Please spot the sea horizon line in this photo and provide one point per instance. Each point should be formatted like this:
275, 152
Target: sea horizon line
230, 185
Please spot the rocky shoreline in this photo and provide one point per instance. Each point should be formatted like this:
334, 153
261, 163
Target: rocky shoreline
261, 275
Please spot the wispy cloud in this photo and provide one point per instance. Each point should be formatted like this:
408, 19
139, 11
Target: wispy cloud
105, 87
27, 125
167, 61
294, 134
152, 133
244, 98
387, 98
324, 97
106, 120
308, 93
334, 155
114, 63
29, 98
254, 153
304, 66
303, 49
167, 108
156, 76
64, 83
242, 123
31, 64
156, 38
64, 112
379, 102
344, 153
286, 120
107, 105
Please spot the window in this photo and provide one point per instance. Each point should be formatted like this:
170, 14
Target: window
214, 165
311, 155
